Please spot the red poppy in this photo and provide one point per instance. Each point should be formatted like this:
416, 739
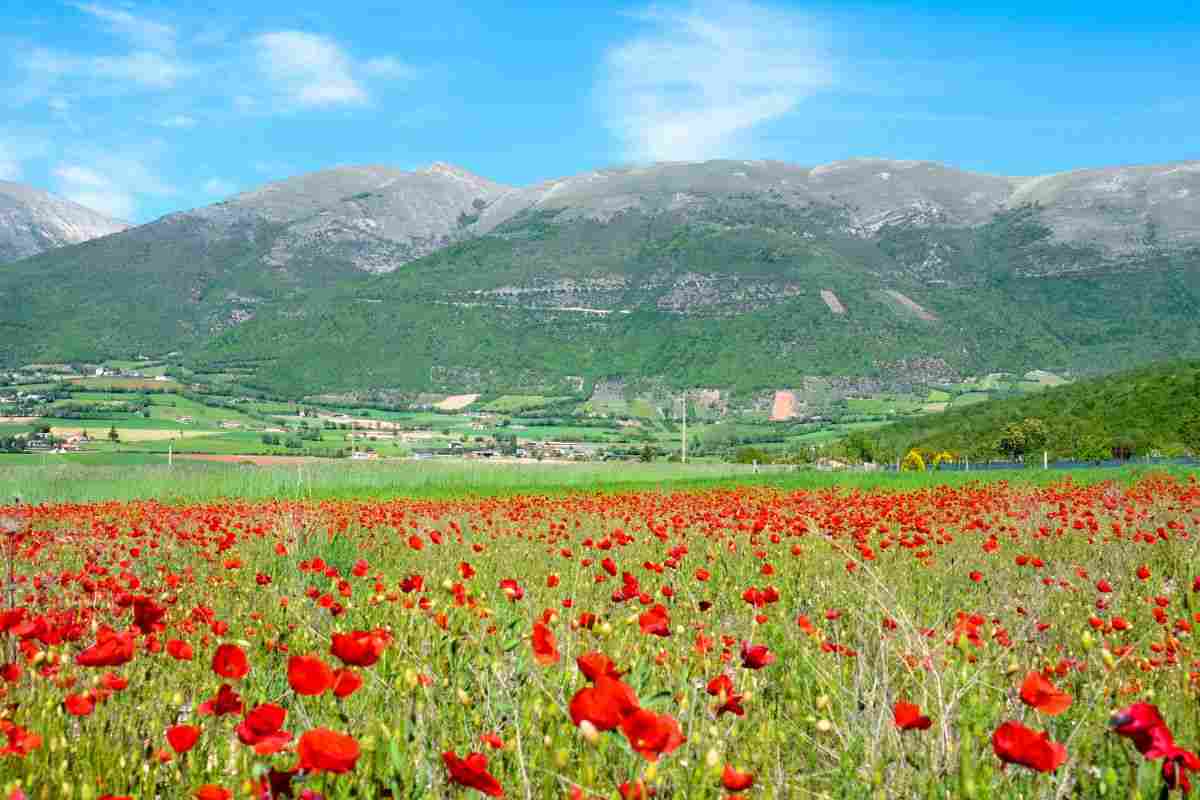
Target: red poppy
148, 616
735, 781
229, 661
1144, 726
1040, 693
110, 650
604, 705
113, 682
346, 682
309, 675
323, 750
358, 648
655, 621
261, 729
492, 740
20, 741
595, 664
226, 701
756, 656
721, 687
907, 717
182, 737
545, 649
1013, 743
511, 589
211, 791
179, 650
472, 772
651, 734
1142, 723
79, 705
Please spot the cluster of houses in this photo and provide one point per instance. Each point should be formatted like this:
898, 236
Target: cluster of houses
48, 443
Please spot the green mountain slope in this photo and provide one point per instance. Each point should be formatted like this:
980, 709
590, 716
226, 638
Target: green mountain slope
728, 296
1155, 408
744, 275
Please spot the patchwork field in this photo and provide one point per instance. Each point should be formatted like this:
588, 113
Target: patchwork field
907, 639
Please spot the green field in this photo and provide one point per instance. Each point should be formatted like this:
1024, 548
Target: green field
125, 476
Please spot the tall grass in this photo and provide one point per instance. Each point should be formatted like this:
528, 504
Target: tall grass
189, 482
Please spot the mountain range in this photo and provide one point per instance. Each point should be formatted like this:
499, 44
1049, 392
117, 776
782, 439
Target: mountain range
33, 221
739, 274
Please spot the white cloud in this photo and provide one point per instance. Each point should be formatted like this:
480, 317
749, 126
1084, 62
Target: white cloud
147, 33
217, 187
390, 68
178, 121
145, 68
706, 74
112, 183
152, 70
308, 70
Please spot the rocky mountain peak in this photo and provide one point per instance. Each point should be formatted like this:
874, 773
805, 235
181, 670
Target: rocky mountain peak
33, 221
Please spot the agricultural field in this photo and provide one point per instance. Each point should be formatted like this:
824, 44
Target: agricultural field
708, 633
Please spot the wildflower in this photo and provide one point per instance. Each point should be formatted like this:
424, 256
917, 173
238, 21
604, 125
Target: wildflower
323, 750
1039, 693
907, 717
309, 675
182, 737
472, 773
229, 661
1013, 743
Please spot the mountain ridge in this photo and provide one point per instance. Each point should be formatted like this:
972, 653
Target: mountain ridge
33, 221
373, 278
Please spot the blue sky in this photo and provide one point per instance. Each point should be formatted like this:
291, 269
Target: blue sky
143, 108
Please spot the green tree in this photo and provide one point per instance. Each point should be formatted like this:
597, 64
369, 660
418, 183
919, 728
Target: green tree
113, 436
1189, 432
860, 447
1093, 446
1017, 439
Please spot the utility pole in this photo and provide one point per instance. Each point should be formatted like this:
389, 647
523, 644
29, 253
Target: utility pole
683, 458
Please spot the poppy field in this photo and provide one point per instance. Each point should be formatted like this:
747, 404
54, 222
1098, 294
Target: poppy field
985, 640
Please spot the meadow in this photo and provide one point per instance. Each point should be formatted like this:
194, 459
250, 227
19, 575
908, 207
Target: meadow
450, 630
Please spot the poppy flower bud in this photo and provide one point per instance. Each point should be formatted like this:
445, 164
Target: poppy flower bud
562, 757
605, 629
712, 758
822, 702
1087, 641
824, 726
464, 698
1107, 657
588, 731
651, 771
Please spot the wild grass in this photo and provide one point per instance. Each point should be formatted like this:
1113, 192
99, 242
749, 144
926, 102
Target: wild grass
94, 477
